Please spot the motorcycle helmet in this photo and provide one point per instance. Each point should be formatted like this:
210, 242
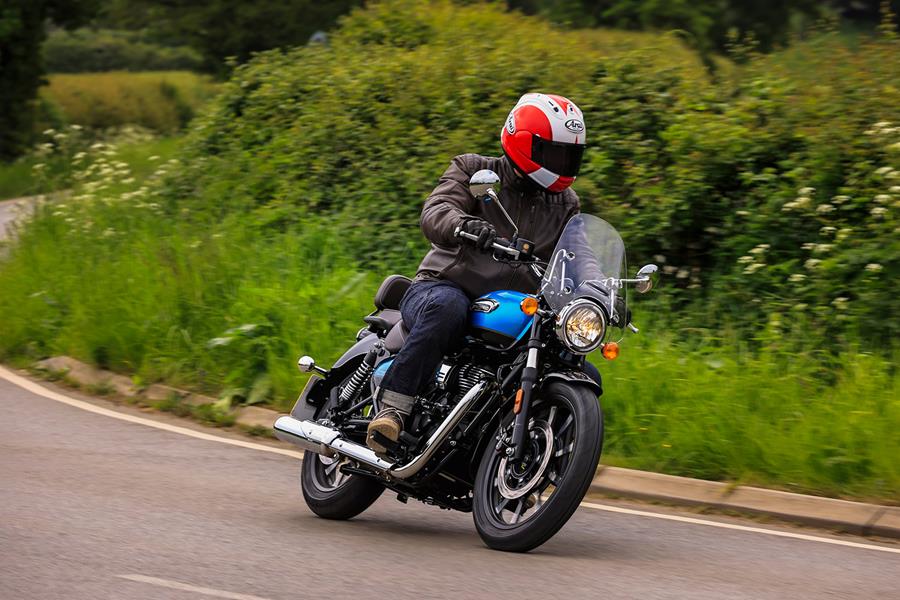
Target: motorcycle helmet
544, 137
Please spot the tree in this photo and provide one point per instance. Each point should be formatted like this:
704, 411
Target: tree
219, 29
22, 24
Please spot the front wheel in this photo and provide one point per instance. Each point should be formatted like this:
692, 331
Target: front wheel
519, 505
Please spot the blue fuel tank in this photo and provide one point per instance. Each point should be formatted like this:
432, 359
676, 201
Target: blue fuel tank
497, 318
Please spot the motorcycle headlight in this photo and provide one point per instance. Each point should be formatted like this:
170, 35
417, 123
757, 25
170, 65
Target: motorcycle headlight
581, 325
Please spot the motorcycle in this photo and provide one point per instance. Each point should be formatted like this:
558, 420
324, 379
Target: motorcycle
511, 427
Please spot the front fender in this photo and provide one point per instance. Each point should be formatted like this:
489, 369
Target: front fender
577, 377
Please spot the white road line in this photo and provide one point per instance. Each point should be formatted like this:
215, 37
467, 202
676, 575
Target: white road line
34, 388
177, 585
775, 532
50, 394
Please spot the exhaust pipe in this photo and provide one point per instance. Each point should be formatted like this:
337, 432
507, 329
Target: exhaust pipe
326, 440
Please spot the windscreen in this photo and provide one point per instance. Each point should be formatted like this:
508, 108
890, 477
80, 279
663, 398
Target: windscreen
587, 261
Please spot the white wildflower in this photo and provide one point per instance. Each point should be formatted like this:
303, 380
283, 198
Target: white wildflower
682, 274
840, 302
827, 230
808, 245
742, 213
745, 260
796, 277
760, 249
49, 132
659, 258
109, 232
822, 248
843, 233
750, 269
824, 209
807, 191
76, 127
873, 267
194, 244
883, 170
878, 211
153, 158
894, 189
882, 198
812, 263
881, 124
840, 199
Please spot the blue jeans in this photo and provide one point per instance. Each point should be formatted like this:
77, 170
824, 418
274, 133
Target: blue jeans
436, 314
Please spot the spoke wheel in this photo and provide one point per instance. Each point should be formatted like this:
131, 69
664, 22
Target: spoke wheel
520, 504
330, 492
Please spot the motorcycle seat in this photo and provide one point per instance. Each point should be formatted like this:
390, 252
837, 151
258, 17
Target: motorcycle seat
384, 320
396, 337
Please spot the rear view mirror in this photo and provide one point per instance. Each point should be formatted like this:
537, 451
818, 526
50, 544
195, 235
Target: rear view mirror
646, 282
483, 183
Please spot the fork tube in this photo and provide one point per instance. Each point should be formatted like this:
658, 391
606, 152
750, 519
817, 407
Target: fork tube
523, 396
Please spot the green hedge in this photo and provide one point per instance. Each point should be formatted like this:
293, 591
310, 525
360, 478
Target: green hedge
89, 50
770, 195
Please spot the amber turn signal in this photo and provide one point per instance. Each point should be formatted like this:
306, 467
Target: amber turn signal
610, 350
529, 305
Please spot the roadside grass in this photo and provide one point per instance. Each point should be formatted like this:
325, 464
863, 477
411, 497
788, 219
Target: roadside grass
19, 178
796, 421
163, 101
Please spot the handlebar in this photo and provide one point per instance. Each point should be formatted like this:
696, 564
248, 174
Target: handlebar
497, 245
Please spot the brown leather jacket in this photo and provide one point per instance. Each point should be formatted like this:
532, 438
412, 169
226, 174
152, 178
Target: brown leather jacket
540, 217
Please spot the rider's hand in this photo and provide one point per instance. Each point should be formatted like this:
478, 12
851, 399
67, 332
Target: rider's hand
485, 232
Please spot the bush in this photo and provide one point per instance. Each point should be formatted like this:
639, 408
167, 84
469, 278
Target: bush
88, 50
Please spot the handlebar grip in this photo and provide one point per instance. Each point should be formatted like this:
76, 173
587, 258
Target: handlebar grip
496, 246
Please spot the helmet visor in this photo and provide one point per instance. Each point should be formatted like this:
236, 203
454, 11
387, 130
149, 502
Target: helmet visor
559, 157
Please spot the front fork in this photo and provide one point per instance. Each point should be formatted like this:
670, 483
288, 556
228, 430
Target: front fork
522, 406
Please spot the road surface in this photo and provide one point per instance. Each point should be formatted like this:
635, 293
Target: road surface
95, 507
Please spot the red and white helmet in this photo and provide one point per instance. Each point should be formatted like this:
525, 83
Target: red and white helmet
544, 137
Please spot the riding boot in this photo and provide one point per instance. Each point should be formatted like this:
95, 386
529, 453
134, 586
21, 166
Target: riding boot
388, 422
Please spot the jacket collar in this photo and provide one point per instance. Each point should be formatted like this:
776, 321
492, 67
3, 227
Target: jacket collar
521, 184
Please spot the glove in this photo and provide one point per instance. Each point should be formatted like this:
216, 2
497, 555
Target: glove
485, 232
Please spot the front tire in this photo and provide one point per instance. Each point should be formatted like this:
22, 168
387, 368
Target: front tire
518, 507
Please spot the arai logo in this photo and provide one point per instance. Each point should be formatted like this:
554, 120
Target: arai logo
511, 124
574, 125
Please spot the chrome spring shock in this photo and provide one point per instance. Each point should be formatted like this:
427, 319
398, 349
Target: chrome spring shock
351, 389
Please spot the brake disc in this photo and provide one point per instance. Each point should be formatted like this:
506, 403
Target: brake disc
504, 471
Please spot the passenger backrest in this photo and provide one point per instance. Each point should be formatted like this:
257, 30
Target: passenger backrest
391, 291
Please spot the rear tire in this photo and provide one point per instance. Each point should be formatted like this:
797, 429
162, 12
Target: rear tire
572, 449
340, 497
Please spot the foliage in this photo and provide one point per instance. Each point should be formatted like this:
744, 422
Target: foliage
162, 101
89, 50
22, 25
710, 25
219, 29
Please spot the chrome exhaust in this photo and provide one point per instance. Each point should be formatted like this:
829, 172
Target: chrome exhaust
326, 440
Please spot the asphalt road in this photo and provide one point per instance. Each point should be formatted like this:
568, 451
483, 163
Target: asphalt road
93, 507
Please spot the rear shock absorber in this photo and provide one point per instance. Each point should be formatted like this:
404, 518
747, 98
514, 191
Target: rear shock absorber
351, 389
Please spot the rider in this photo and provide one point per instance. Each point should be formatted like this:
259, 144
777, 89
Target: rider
543, 140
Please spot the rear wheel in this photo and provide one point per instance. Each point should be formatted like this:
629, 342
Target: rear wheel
329, 492
332, 494
519, 505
